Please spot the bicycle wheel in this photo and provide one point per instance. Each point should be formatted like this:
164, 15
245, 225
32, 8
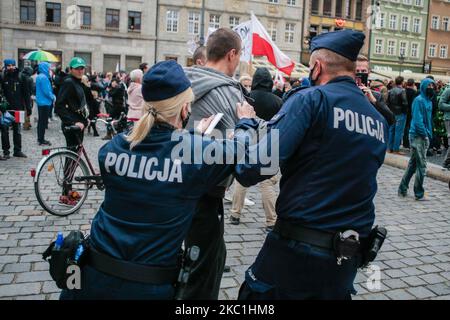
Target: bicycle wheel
56, 186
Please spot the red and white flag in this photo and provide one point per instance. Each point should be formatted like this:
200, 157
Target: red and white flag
19, 116
264, 46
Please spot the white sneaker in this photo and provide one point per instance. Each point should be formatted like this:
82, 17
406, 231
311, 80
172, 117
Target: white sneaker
248, 202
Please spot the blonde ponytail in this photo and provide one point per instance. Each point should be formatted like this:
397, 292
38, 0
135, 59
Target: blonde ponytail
161, 110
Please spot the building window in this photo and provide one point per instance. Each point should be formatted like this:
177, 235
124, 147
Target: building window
391, 48
112, 19
291, 2
132, 63
111, 63
445, 25
417, 25
273, 1
28, 11
134, 21
393, 22
414, 50
405, 24
359, 9
325, 29
327, 7
313, 31
419, 3
403, 51
272, 29
234, 22
407, 2
314, 7
432, 50
339, 9
53, 13
443, 52
289, 35
194, 22
435, 22
348, 9
381, 22
214, 21
379, 46
85, 16
167, 58
172, 21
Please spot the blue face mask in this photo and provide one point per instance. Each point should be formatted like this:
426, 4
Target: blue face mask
311, 81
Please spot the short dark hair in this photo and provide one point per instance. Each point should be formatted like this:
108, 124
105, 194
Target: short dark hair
143, 65
220, 42
430, 77
200, 53
410, 82
399, 80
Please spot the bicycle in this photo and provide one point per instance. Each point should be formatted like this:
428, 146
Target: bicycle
63, 178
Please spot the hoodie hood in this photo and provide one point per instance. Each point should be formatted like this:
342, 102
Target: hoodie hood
44, 68
262, 80
28, 71
205, 79
423, 87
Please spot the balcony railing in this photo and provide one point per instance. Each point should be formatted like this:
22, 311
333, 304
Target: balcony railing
28, 22
113, 29
53, 24
86, 27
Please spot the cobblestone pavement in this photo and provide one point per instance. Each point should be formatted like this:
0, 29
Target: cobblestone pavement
414, 262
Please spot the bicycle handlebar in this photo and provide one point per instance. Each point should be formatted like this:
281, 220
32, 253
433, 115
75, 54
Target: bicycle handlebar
72, 128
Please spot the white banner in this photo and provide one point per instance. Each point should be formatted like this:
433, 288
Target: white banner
245, 32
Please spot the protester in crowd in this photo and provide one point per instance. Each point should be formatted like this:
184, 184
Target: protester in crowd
444, 106
439, 132
146, 231
420, 135
44, 100
117, 94
279, 89
303, 83
199, 56
58, 79
246, 81
215, 91
398, 104
411, 94
375, 98
266, 105
93, 101
135, 99
28, 72
144, 67
72, 108
15, 89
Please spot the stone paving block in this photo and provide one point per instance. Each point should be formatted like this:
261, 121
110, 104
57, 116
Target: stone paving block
375, 296
421, 292
33, 276
411, 261
414, 281
432, 278
429, 268
227, 283
399, 294
395, 273
20, 289
6, 278
8, 259
17, 267
411, 271
440, 288
395, 283
34, 297
50, 287
31, 258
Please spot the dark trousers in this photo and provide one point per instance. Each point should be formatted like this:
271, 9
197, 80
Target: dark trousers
206, 232
292, 270
44, 113
96, 285
17, 138
73, 140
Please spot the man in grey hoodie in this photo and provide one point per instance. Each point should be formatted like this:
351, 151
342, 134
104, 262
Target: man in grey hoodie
215, 92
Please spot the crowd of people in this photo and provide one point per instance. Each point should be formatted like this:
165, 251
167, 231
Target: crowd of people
334, 129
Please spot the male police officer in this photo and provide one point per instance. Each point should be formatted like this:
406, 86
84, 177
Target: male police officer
331, 145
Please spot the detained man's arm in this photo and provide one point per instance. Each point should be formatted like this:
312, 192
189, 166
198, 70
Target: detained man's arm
285, 133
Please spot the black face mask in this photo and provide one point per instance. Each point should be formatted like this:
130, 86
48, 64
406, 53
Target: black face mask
311, 81
429, 92
186, 120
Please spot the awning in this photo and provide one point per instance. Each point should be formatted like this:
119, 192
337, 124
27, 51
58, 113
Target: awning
299, 71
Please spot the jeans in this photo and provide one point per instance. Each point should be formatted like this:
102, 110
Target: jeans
17, 138
292, 270
417, 164
44, 113
447, 158
396, 132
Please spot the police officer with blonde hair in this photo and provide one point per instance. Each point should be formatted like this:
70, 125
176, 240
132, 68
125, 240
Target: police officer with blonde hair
151, 194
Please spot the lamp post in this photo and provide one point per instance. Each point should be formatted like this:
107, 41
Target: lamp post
401, 60
202, 25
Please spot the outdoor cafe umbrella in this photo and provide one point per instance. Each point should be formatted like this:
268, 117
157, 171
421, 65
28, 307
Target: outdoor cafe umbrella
41, 55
